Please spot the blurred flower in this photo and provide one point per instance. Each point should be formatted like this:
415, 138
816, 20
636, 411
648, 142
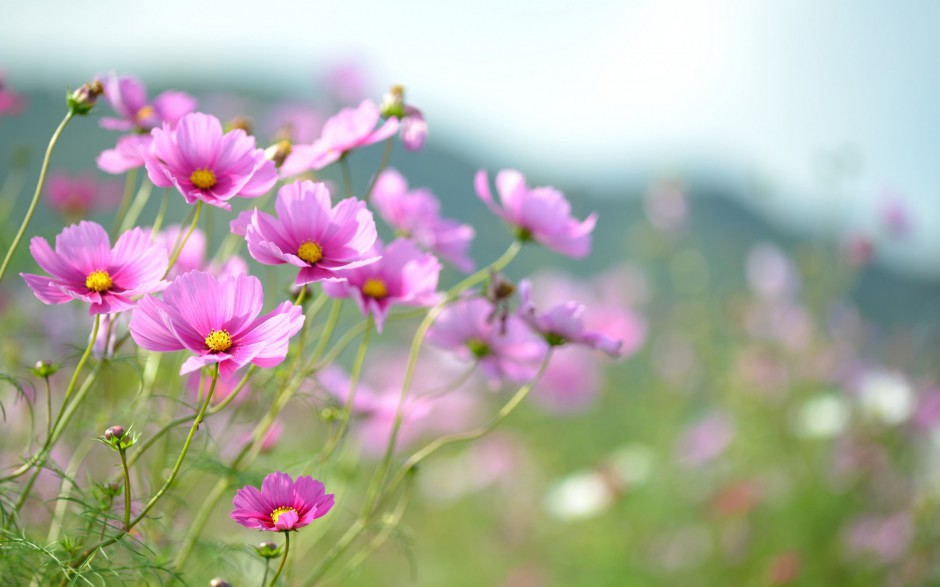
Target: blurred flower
562, 324
282, 504
76, 195
784, 568
223, 387
85, 267
193, 253
216, 320
571, 382
770, 273
417, 215
204, 164
310, 233
580, 496
347, 81
858, 250
885, 538
127, 154
402, 275
886, 396
350, 129
414, 129
128, 97
295, 122
894, 215
503, 351
706, 440
11, 103
823, 416
541, 214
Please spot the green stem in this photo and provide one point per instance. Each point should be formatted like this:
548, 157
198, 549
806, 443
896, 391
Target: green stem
383, 163
48, 407
179, 249
347, 176
267, 569
32, 205
158, 222
382, 472
280, 567
143, 195
129, 181
166, 485
351, 394
127, 489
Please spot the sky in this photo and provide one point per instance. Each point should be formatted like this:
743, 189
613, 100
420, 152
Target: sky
818, 110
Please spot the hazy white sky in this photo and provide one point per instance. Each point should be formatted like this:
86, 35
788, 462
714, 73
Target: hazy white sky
767, 92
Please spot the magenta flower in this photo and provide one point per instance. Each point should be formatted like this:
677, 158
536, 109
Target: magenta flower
127, 154
11, 104
350, 129
282, 504
414, 129
74, 195
541, 214
216, 320
417, 215
128, 96
563, 324
310, 233
504, 350
204, 164
85, 267
402, 275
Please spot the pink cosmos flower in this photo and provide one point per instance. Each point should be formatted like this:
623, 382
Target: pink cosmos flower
11, 104
541, 214
414, 129
204, 164
74, 195
571, 383
310, 233
216, 319
563, 324
350, 129
282, 504
127, 154
417, 215
402, 275
504, 350
85, 267
296, 121
128, 96
223, 387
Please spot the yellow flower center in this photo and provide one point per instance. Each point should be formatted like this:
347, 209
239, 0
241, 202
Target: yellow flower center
203, 178
219, 341
281, 510
374, 288
144, 112
310, 252
98, 281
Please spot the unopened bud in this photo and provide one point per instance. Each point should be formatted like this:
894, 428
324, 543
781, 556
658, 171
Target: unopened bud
219, 582
44, 369
278, 152
242, 123
393, 103
83, 99
114, 432
499, 288
268, 550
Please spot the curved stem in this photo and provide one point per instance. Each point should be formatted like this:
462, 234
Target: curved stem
140, 200
382, 472
65, 412
158, 222
166, 485
192, 227
127, 489
347, 176
32, 205
280, 567
383, 163
351, 393
129, 181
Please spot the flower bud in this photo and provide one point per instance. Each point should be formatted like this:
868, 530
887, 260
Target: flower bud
118, 438
242, 123
393, 103
83, 99
114, 432
219, 582
45, 369
268, 550
278, 152
499, 288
